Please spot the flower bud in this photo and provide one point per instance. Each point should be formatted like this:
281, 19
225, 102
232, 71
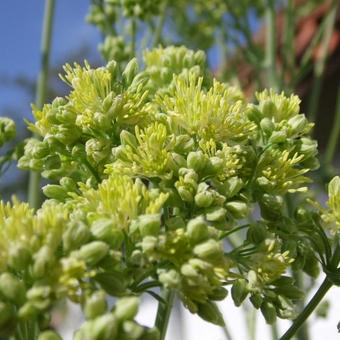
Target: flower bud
267, 126
127, 138
43, 259
204, 199
104, 327
39, 296
256, 299
93, 252
151, 334
253, 113
269, 312
175, 222
95, 305
149, 244
149, 225
49, 335
12, 288
196, 161
19, 257
126, 308
130, 71
209, 312
170, 278
238, 209
68, 184
7, 130
298, 123
76, 235
185, 194
239, 291
232, 186
216, 215
208, 249
271, 206
268, 108
28, 311
218, 294
7, 312
132, 330
55, 191
197, 229
104, 230
278, 137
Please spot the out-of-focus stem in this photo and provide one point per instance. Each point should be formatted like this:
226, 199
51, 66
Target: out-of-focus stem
164, 311
270, 60
34, 196
320, 63
334, 136
160, 25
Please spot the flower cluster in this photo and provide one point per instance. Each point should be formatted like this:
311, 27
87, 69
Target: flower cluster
156, 174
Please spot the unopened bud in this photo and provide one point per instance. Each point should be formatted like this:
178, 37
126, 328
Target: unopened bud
196, 160
209, 312
76, 235
208, 249
95, 305
126, 308
12, 288
130, 71
197, 229
104, 230
239, 291
216, 214
49, 335
93, 252
170, 278
269, 312
149, 225
238, 209
19, 257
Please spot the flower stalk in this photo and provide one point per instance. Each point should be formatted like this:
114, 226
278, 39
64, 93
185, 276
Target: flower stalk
34, 178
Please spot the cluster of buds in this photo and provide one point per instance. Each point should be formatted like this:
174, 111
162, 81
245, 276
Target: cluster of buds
156, 171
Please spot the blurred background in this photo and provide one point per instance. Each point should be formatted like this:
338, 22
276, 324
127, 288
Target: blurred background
75, 40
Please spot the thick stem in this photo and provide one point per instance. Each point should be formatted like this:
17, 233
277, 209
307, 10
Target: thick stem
34, 197
334, 136
313, 303
271, 45
321, 61
164, 311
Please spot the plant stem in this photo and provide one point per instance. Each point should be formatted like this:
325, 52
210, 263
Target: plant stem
160, 25
302, 333
163, 312
334, 136
133, 37
270, 60
34, 178
274, 331
313, 303
320, 62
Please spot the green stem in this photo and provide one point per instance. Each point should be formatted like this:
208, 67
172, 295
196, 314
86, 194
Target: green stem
334, 136
133, 37
313, 303
163, 312
160, 25
288, 53
321, 61
34, 197
270, 60
251, 318
302, 333
274, 331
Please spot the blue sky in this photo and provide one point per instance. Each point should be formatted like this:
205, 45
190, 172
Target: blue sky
20, 35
